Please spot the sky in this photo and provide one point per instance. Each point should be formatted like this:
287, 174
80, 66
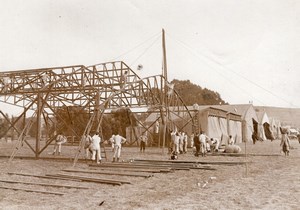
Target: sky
247, 51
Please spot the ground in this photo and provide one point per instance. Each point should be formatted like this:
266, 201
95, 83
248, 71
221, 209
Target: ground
269, 181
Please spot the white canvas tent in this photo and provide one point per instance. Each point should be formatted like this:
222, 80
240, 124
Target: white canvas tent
219, 123
275, 127
249, 118
264, 130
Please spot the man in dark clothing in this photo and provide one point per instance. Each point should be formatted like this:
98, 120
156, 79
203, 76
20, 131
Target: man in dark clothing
197, 144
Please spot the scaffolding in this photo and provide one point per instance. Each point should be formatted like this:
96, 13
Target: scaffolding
95, 89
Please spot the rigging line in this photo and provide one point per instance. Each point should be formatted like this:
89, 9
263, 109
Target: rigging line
145, 50
132, 48
231, 83
157, 34
226, 68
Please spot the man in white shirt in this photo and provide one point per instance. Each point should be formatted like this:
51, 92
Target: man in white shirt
202, 139
118, 141
215, 143
95, 147
60, 139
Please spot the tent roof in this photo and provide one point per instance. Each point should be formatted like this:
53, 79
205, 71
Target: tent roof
239, 109
286, 116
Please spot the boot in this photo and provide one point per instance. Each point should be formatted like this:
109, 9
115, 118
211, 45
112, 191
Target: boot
118, 159
114, 160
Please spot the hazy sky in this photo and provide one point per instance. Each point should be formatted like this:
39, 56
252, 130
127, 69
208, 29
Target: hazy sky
245, 50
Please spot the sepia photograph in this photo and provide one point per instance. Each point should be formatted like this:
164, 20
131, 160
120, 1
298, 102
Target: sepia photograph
150, 104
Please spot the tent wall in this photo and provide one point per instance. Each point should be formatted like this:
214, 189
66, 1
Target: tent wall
250, 120
216, 124
235, 130
224, 130
214, 128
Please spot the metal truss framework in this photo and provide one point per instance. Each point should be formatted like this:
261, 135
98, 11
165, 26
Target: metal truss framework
96, 89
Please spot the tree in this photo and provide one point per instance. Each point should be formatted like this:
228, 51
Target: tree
3, 126
195, 94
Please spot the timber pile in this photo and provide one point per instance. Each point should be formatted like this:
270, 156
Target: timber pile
163, 166
193, 163
109, 173
90, 179
65, 177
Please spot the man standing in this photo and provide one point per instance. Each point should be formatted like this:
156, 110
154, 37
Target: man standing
143, 140
196, 143
202, 139
118, 141
60, 139
95, 147
87, 144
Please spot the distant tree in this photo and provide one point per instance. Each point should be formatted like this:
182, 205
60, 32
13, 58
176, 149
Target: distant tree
195, 94
122, 118
72, 119
3, 126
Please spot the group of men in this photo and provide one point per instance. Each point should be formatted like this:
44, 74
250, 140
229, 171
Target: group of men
93, 150
204, 144
92, 146
179, 141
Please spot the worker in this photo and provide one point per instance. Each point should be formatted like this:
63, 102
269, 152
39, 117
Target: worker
143, 141
118, 141
60, 139
95, 147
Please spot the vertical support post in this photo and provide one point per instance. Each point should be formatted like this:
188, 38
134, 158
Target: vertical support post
165, 99
97, 107
24, 119
39, 123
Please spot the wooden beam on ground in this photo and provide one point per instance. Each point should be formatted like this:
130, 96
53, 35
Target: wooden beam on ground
91, 179
43, 184
242, 154
130, 166
148, 166
30, 190
101, 167
126, 169
108, 173
43, 177
198, 162
174, 166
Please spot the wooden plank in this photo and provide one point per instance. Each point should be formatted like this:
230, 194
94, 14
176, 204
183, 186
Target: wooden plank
108, 173
84, 177
87, 179
40, 176
131, 166
44, 184
197, 162
30, 190
157, 170
94, 167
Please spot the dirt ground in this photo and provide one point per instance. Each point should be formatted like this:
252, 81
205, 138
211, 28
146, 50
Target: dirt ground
269, 181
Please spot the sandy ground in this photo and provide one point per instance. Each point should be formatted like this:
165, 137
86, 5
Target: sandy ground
269, 181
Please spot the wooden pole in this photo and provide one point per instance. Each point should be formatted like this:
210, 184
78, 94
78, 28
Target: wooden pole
165, 99
39, 123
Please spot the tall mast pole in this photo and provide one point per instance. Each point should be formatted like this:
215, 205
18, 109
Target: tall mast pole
165, 72
164, 87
